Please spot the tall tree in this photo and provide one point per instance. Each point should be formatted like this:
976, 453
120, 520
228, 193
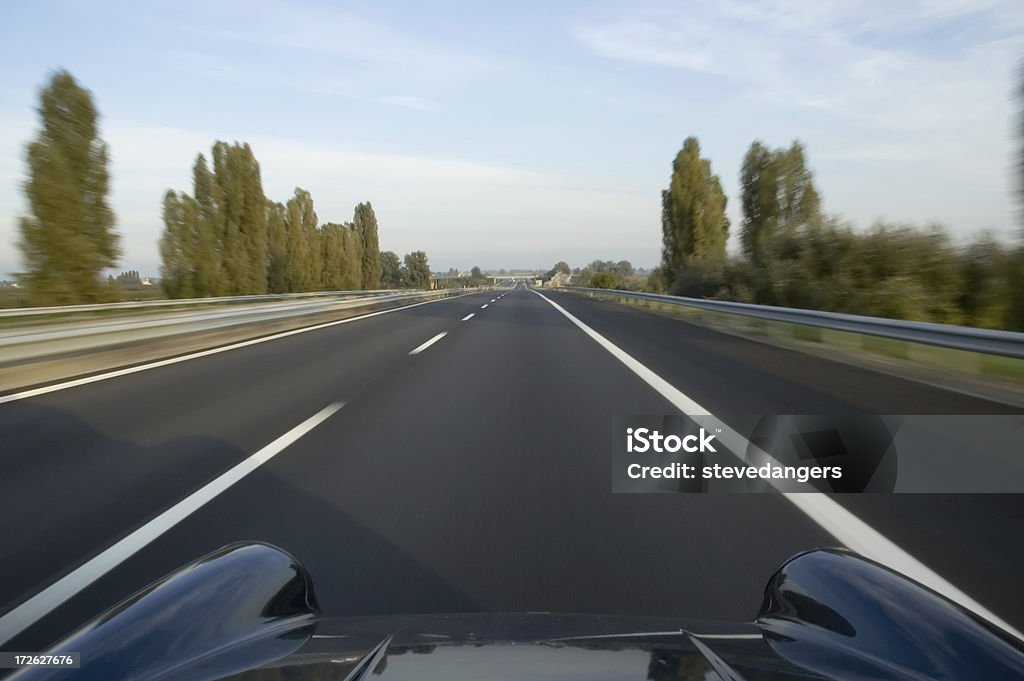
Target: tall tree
352, 247
277, 248
366, 226
694, 224
176, 252
758, 191
241, 213
332, 241
304, 257
1020, 157
390, 270
69, 236
415, 270
1015, 314
209, 278
778, 197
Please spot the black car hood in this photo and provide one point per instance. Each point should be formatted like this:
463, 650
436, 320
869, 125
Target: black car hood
248, 611
526, 646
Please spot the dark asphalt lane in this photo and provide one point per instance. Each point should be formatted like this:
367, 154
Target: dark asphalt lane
81, 467
730, 375
967, 538
473, 476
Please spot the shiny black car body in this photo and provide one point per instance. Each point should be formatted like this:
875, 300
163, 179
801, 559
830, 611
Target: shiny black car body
248, 611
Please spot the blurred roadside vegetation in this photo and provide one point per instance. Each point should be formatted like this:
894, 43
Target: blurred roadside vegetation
794, 255
225, 238
891, 270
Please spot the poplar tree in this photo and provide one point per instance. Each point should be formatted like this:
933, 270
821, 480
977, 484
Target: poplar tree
303, 257
353, 247
778, 197
332, 240
209, 279
241, 218
366, 226
176, 252
277, 248
68, 238
694, 224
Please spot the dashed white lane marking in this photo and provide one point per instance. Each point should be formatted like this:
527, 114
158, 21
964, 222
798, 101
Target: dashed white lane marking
469, 316
484, 305
430, 342
853, 532
13, 397
32, 610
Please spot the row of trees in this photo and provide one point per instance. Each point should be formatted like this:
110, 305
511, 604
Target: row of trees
225, 238
228, 238
598, 274
793, 254
605, 274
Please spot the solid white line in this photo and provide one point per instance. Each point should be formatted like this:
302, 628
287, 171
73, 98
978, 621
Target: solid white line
202, 353
853, 532
428, 343
469, 316
32, 610
484, 305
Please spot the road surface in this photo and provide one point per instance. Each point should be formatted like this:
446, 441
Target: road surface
448, 456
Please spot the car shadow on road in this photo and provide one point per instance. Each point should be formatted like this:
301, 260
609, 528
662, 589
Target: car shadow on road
68, 492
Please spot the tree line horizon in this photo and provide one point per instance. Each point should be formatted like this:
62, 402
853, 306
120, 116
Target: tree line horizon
793, 254
226, 237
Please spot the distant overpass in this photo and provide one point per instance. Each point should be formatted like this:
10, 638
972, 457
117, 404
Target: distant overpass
445, 280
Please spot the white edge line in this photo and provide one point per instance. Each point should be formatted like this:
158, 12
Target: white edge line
430, 342
469, 316
39, 605
853, 532
34, 392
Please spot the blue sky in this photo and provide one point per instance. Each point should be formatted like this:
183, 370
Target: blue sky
519, 134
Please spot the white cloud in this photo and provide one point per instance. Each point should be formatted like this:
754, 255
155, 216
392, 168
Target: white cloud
828, 55
644, 41
317, 28
918, 94
279, 77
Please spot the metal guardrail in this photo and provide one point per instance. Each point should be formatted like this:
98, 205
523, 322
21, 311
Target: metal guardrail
987, 341
75, 335
131, 305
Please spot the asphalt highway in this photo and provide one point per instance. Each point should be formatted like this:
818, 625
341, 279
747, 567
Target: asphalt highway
452, 456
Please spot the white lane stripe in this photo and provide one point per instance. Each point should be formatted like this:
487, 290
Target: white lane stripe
484, 305
32, 610
202, 353
853, 532
469, 316
428, 343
